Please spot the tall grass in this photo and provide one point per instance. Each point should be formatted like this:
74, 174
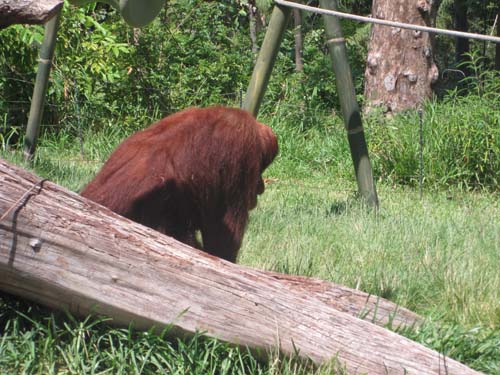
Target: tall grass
461, 140
438, 256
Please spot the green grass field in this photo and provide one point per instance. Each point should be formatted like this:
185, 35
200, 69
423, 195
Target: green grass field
438, 255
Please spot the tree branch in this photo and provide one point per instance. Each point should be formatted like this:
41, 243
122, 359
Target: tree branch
27, 11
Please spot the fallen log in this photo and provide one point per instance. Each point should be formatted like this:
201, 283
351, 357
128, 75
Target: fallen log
63, 251
355, 302
28, 11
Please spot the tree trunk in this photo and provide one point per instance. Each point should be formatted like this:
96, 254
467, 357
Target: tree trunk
27, 11
252, 16
400, 66
497, 47
460, 23
299, 42
257, 21
66, 252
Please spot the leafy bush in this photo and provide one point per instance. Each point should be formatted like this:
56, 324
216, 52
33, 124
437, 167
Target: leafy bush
108, 73
461, 140
17, 73
314, 90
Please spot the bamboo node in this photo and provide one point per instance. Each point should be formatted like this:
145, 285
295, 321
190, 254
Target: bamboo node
356, 130
335, 40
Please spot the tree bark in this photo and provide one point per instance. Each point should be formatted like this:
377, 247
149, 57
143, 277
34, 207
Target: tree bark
252, 17
27, 11
497, 47
400, 66
61, 250
299, 41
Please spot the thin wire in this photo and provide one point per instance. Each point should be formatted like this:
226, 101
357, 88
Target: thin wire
378, 21
17, 203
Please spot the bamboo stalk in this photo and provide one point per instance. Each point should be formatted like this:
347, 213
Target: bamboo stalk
41, 83
265, 61
349, 106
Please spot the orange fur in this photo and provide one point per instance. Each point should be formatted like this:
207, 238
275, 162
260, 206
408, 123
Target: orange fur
199, 169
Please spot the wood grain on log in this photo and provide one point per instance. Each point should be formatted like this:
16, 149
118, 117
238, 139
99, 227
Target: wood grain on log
27, 11
58, 249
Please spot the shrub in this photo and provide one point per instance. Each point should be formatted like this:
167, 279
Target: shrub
461, 139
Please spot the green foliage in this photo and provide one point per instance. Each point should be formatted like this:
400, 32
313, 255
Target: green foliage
394, 147
199, 56
312, 145
18, 53
314, 90
90, 69
7, 134
479, 346
108, 74
461, 139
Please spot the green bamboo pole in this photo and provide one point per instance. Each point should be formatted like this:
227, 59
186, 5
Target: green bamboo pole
42, 78
349, 106
265, 60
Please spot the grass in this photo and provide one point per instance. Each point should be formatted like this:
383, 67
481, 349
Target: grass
438, 255
460, 145
37, 341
